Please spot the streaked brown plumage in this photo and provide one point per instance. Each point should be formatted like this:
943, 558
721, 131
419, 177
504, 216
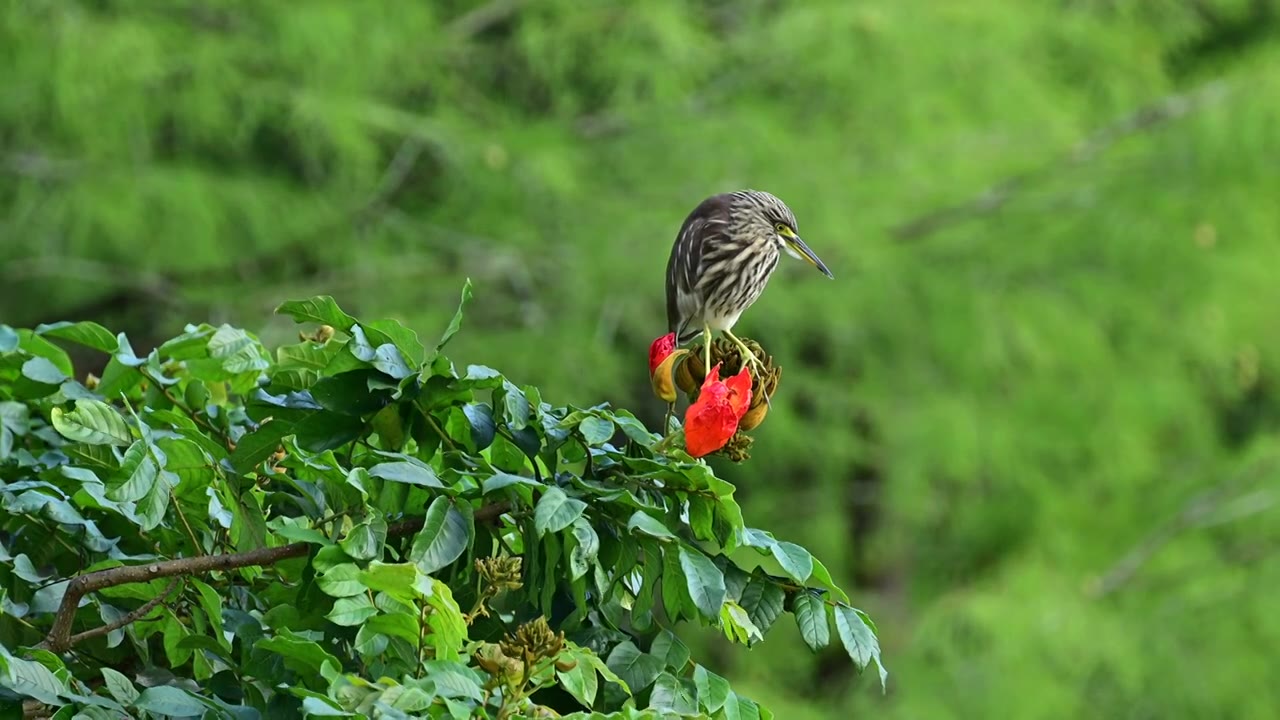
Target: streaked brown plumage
723, 256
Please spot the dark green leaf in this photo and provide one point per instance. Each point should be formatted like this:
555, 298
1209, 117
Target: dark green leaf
258, 445
704, 580
858, 639
482, 426
170, 701
764, 602
556, 511
349, 393
811, 618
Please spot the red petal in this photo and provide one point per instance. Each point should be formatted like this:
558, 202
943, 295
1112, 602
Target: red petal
708, 426
659, 350
740, 392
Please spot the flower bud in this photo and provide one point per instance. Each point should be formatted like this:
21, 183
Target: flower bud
663, 377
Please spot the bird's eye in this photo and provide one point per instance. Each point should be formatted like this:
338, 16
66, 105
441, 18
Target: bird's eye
782, 229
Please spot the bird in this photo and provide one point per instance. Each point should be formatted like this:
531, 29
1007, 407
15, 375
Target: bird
722, 258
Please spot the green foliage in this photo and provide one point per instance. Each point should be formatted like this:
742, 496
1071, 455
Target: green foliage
977, 424
348, 527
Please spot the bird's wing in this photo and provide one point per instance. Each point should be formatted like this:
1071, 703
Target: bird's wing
682, 273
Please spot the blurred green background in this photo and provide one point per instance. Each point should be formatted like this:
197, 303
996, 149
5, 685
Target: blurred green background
1033, 422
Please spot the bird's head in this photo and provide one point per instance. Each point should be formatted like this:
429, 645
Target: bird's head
774, 214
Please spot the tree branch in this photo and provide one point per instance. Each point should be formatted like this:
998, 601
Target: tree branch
60, 638
1166, 109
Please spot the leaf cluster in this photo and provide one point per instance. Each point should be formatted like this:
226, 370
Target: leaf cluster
352, 527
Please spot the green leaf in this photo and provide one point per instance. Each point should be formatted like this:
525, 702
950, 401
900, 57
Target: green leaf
364, 541
811, 618
580, 682
483, 428
42, 370
320, 309
388, 359
586, 547
443, 538
764, 602
120, 687
596, 430
170, 701
448, 626
673, 694
87, 333
92, 422
645, 524
858, 639
341, 580
795, 560
402, 581
352, 611
670, 649
704, 580
404, 338
303, 656
713, 690
409, 472
456, 323
140, 471
33, 680
556, 511
637, 669
258, 445
515, 406
737, 625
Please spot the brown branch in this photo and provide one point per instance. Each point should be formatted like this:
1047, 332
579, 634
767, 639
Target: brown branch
128, 618
60, 638
484, 17
994, 197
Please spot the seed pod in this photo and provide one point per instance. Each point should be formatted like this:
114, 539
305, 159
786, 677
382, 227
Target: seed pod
564, 664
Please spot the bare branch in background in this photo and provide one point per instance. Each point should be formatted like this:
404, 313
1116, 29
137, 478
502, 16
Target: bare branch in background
1217, 505
1164, 110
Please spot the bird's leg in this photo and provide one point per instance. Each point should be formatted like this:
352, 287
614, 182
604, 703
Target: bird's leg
706, 349
749, 358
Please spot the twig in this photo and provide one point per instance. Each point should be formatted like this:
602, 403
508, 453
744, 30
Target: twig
1166, 109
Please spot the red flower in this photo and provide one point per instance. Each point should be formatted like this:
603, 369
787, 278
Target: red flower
713, 418
660, 349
